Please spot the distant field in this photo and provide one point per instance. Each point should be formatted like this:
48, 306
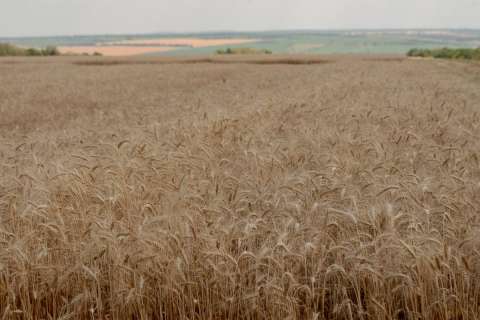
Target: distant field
244, 187
280, 42
141, 47
184, 42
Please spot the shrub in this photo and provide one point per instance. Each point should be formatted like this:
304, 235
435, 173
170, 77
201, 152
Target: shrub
413, 52
7, 49
33, 52
50, 51
419, 53
443, 53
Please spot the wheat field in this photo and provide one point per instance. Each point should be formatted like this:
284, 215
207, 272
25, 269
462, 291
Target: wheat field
347, 188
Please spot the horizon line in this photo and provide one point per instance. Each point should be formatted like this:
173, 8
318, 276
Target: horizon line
206, 32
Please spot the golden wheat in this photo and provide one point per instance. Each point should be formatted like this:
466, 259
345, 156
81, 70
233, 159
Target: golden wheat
344, 190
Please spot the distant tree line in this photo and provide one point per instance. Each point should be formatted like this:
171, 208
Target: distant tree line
446, 53
7, 49
10, 50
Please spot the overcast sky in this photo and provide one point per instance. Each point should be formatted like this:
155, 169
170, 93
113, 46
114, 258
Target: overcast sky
68, 17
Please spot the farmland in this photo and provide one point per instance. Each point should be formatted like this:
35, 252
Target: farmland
291, 187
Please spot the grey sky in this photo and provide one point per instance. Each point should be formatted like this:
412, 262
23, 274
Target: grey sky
67, 17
